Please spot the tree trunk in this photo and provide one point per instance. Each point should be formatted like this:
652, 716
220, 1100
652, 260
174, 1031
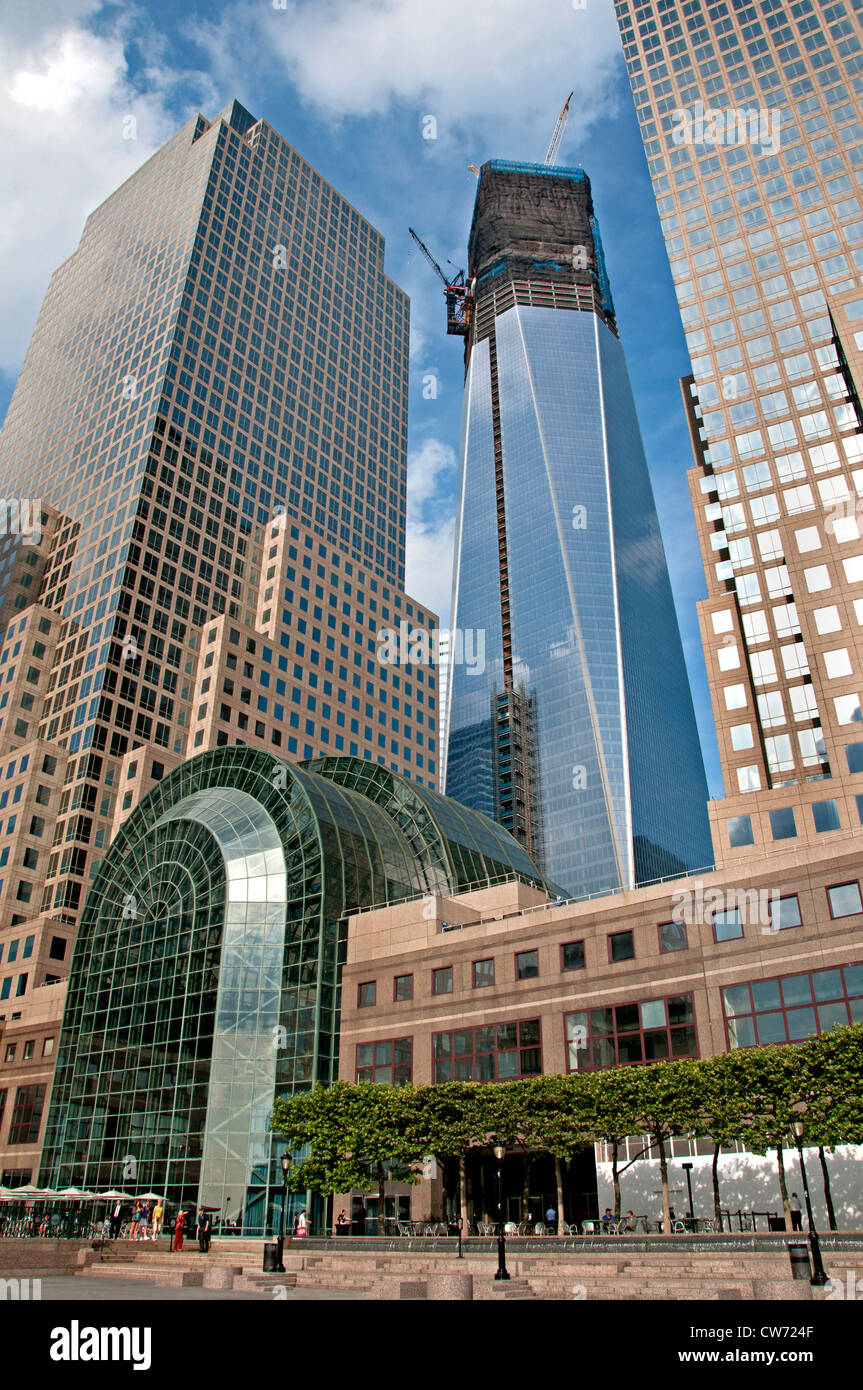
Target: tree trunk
717, 1205
783, 1186
558, 1174
382, 1224
462, 1188
828, 1195
663, 1171
615, 1178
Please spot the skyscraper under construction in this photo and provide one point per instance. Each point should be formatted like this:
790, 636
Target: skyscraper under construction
579, 733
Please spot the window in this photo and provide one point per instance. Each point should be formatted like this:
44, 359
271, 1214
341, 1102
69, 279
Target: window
48, 1047
403, 987
650, 1031
844, 899
672, 936
389, 1063
854, 756
366, 994
782, 824
727, 925
483, 973
497, 1052
442, 980
57, 949
825, 814
785, 912
621, 946
28, 1049
572, 955
527, 965
27, 1115
793, 1007
9, 1054
740, 831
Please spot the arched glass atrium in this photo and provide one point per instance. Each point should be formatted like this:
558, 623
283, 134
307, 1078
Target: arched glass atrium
206, 974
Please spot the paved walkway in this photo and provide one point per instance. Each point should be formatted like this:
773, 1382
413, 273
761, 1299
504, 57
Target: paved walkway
80, 1289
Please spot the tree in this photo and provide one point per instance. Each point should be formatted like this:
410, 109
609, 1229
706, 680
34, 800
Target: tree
826, 1095
668, 1104
448, 1120
543, 1114
354, 1135
610, 1107
724, 1108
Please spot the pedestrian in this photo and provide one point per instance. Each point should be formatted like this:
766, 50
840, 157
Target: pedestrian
177, 1243
796, 1213
158, 1213
343, 1225
300, 1225
202, 1231
145, 1217
136, 1221
116, 1221
551, 1220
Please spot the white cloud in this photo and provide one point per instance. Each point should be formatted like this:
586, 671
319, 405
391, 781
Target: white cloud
493, 67
431, 525
67, 142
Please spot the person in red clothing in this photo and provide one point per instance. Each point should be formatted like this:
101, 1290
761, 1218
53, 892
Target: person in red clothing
178, 1231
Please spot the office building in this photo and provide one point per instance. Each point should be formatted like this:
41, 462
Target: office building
564, 733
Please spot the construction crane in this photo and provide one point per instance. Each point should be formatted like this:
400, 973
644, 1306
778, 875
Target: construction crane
558, 130
455, 293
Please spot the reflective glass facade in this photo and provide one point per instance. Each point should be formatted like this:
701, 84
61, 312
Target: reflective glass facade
207, 969
560, 560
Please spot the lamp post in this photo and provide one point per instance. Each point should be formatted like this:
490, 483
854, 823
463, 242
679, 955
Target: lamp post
687, 1168
502, 1273
819, 1274
286, 1161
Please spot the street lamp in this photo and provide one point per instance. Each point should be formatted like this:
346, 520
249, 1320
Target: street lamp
819, 1274
286, 1168
687, 1168
500, 1153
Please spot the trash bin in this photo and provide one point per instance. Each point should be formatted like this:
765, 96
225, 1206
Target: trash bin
798, 1253
271, 1257
776, 1223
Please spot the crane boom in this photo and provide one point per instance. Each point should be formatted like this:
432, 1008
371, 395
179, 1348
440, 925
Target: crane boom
428, 255
558, 131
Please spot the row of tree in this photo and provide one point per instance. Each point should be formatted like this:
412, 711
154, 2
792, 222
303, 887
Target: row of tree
356, 1136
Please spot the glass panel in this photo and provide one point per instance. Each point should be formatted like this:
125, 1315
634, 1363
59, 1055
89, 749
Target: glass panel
528, 1032
484, 1039
741, 1032
797, 989
402, 1049
507, 1064
622, 946
383, 1053
683, 1042
464, 1069
771, 1028
801, 1024
485, 1067
854, 979
601, 1021
832, 1016
653, 1014
507, 1036
672, 936
531, 1062
855, 1008
626, 1017
629, 1049
785, 912
463, 1040
845, 899
827, 984
383, 1074
603, 1052
573, 955
442, 1044
401, 1075
656, 1045
765, 994
443, 1071
680, 1009
528, 965
736, 1000
364, 1055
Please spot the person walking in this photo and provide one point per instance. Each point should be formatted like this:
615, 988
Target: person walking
145, 1217
177, 1243
300, 1226
202, 1231
796, 1212
116, 1221
551, 1220
158, 1213
136, 1221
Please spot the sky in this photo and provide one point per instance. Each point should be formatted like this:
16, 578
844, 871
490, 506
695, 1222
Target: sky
352, 84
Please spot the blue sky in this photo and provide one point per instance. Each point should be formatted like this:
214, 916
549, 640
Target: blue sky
349, 83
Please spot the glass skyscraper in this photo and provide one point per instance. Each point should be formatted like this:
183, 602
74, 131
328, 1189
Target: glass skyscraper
752, 123
579, 733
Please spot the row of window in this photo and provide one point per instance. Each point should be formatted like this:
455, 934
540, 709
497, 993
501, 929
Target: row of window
769, 911
783, 821
28, 1050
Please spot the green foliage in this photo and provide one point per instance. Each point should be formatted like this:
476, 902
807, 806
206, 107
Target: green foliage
350, 1136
